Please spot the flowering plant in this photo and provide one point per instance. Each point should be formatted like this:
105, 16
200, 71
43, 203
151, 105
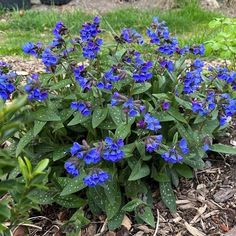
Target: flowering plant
112, 119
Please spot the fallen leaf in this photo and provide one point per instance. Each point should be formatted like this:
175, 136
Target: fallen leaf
192, 230
21, 231
224, 228
126, 222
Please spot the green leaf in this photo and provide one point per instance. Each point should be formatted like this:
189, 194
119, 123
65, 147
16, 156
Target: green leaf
43, 196
74, 185
45, 114
78, 119
23, 169
61, 84
167, 195
131, 206
99, 115
139, 171
38, 126
24, 141
177, 115
71, 201
59, 153
5, 211
41, 166
116, 114
115, 222
147, 216
195, 162
122, 131
183, 103
222, 148
141, 88
183, 170
159, 176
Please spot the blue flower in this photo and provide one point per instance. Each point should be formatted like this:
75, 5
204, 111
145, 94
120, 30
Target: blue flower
92, 156
172, 156
205, 106
79, 73
90, 44
131, 36
49, 58
112, 150
77, 150
6, 87
192, 81
165, 106
198, 63
31, 48
205, 147
198, 50
184, 146
152, 122
34, 90
82, 107
97, 177
169, 65
71, 168
59, 30
152, 143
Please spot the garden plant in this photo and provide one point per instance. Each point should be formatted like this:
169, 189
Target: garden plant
109, 122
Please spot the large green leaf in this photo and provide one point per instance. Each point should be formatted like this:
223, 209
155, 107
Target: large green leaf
184, 170
139, 171
147, 216
38, 126
45, 114
122, 131
61, 84
99, 115
24, 141
141, 88
116, 114
74, 185
71, 201
131, 206
222, 148
177, 115
78, 119
167, 195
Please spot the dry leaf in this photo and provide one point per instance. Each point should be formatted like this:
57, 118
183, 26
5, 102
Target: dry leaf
200, 210
192, 230
21, 231
145, 229
126, 222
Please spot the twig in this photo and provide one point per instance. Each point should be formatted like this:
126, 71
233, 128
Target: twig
157, 224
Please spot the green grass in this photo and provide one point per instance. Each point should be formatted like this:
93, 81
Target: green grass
189, 23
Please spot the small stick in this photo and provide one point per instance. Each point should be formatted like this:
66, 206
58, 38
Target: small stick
157, 224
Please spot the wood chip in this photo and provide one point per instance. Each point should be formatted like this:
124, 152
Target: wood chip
126, 222
192, 230
200, 210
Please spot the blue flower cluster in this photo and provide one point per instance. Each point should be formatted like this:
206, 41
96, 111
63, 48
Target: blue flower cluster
228, 106
79, 73
89, 41
152, 123
32, 49
50, 59
6, 86
82, 107
71, 168
159, 34
108, 79
96, 177
169, 65
34, 90
173, 155
59, 30
205, 106
110, 150
131, 107
152, 143
227, 76
193, 78
142, 69
131, 36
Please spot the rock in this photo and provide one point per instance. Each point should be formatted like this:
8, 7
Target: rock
232, 232
210, 4
224, 194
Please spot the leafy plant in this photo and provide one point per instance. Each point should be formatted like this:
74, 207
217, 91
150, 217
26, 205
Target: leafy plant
117, 116
223, 44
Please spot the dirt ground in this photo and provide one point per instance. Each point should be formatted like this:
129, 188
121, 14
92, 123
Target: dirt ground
227, 7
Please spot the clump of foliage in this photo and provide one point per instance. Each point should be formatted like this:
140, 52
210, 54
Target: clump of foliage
110, 118
223, 44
